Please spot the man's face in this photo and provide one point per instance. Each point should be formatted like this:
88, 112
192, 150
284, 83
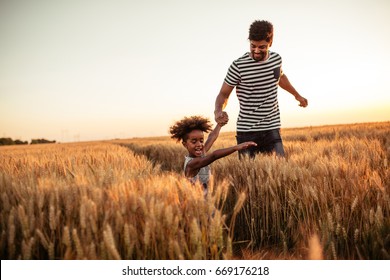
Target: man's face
259, 49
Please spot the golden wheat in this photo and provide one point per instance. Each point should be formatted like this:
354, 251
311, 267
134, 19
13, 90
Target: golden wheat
100, 201
127, 199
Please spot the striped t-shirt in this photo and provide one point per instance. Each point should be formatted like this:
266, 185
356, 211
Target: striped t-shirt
256, 85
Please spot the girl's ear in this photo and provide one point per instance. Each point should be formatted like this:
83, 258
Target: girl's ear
184, 144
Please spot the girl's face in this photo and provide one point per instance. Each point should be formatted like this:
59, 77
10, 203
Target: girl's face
195, 143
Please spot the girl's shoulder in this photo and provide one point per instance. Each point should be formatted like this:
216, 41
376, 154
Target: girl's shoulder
187, 159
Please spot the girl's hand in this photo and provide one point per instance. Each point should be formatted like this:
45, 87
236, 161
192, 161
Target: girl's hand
245, 145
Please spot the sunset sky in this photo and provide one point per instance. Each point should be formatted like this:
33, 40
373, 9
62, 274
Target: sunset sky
83, 70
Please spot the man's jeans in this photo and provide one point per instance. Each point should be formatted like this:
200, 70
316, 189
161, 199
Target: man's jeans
267, 141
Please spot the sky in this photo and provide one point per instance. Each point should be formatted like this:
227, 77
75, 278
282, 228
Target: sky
82, 70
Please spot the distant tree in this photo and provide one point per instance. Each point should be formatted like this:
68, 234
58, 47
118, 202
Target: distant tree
41, 141
6, 141
20, 142
9, 141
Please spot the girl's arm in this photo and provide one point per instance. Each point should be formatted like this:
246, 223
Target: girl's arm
212, 137
197, 163
215, 133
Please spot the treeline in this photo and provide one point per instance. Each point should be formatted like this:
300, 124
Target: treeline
9, 141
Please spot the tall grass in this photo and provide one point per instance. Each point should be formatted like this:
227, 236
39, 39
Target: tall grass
127, 199
334, 183
344, 200
100, 201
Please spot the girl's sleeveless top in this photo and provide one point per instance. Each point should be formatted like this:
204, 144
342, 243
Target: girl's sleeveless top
203, 175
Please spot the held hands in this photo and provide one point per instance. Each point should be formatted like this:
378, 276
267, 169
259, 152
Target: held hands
245, 145
221, 118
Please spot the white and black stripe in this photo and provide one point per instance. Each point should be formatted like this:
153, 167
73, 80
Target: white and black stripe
256, 85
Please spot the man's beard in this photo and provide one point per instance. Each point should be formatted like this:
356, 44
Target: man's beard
260, 56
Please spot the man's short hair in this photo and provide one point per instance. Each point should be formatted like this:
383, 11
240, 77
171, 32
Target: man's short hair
261, 30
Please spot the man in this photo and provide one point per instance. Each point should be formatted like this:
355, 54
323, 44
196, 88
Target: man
256, 76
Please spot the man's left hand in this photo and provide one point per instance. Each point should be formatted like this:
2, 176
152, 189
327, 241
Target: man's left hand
302, 101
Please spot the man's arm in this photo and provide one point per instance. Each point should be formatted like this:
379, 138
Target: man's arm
285, 84
221, 101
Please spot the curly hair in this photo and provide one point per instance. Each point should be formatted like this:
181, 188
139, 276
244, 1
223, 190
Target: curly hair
261, 30
181, 128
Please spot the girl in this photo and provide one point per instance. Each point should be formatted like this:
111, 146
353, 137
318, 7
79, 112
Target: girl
190, 131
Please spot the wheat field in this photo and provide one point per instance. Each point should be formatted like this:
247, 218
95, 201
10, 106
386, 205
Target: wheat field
127, 199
